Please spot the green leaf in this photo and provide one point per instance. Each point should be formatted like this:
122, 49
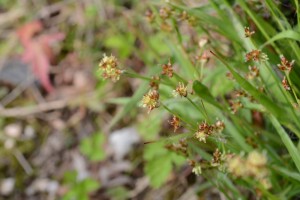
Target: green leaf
92, 147
149, 131
70, 177
90, 185
158, 169
293, 151
288, 34
203, 92
118, 193
159, 162
123, 43
288, 174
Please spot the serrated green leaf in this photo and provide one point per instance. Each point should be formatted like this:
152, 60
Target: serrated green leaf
159, 162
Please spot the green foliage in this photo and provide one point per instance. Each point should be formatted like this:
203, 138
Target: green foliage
159, 163
92, 147
118, 193
79, 189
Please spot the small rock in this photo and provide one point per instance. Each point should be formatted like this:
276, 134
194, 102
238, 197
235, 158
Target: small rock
29, 132
79, 164
9, 143
42, 185
13, 130
7, 186
121, 141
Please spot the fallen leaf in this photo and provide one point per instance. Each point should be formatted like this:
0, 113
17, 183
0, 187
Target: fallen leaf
37, 50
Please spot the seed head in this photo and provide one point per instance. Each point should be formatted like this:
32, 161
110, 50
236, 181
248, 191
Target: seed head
181, 90
164, 13
219, 126
151, 100
248, 33
285, 84
285, 65
256, 165
236, 166
235, 106
216, 158
109, 67
204, 130
150, 16
175, 122
202, 42
257, 56
253, 72
154, 83
256, 159
183, 16
167, 69
197, 170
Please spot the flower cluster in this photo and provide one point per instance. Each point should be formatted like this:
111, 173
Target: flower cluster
150, 16
253, 72
205, 130
151, 100
109, 67
235, 105
180, 148
165, 12
181, 90
167, 69
285, 65
218, 160
154, 83
285, 84
175, 122
248, 33
257, 56
196, 167
255, 166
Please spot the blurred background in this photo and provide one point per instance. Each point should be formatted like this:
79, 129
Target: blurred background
65, 132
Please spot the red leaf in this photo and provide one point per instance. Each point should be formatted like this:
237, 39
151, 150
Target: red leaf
37, 50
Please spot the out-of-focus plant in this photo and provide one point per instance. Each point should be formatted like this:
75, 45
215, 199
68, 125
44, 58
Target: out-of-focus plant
79, 189
92, 147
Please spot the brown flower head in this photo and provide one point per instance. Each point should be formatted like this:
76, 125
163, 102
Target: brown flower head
235, 106
150, 100
181, 90
216, 160
150, 16
285, 84
248, 33
285, 64
257, 56
204, 130
219, 126
109, 67
165, 13
167, 69
154, 83
183, 16
180, 148
253, 72
175, 122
